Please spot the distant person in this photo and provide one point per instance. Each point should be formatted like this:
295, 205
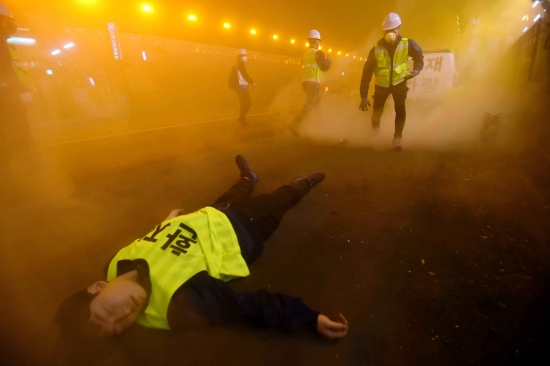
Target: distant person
314, 64
15, 136
176, 276
239, 80
388, 62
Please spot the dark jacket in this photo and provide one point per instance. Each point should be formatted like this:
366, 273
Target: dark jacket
414, 51
241, 67
323, 62
203, 300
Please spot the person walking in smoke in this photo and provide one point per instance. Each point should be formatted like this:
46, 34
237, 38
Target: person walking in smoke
244, 80
388, 62
16, 140
314, 64
176, 276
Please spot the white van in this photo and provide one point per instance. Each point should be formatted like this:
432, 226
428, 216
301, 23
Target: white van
438, 76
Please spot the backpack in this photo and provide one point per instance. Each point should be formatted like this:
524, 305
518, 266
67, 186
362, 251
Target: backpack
233, 79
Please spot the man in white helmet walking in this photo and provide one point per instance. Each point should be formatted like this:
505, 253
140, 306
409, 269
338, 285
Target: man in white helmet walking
388, 62
15, 136
314, 64
244, 80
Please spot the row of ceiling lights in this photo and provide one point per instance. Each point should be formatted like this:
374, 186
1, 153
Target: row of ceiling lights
226, 25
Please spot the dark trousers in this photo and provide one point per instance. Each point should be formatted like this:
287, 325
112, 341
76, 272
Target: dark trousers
399, 93
246, 102
312, 100
15, 135
264, 211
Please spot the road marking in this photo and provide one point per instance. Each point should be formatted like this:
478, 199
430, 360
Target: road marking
159, 128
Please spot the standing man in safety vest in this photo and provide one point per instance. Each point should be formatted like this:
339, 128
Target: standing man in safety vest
242, 89
314, 64
388, 62
176, 276
15, 136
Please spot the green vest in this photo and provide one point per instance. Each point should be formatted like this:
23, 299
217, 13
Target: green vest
384, 64
178, 249
22, 74
312, 71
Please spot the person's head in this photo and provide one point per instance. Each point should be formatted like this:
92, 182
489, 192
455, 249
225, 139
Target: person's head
7, 23
242, 55
105, 308
391, 27
116, 304
314, 39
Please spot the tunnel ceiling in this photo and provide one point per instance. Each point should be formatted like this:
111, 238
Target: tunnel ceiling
347, 25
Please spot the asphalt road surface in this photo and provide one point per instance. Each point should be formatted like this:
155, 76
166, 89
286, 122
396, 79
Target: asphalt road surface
435, 256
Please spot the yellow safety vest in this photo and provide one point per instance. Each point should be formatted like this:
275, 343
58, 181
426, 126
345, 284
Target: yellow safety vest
384, 64
178, 249
312, 71
22, 74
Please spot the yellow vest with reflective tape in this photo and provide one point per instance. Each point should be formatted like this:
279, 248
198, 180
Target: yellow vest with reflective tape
22, 74
178, 249
384, 64
312, 71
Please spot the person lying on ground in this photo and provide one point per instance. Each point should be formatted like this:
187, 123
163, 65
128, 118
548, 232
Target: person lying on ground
176, 276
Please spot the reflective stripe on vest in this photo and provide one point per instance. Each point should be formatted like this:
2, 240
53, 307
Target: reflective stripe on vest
383, 64
178, 249
312, 71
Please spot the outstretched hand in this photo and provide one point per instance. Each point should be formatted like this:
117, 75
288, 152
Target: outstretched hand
365, 104
175, 213
332, 329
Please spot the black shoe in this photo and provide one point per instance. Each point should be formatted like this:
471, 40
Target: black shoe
245, 170
312, 179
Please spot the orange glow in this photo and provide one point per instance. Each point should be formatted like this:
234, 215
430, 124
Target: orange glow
275, 36
192, 17
253, 31
338, 52
307, 44
292, 41
329, 50
146, 7
227, 25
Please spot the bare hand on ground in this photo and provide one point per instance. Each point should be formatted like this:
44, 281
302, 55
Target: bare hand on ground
332, 329
175, 213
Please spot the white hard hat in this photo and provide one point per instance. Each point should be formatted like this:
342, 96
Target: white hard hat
314, 34
242, 51
4, 10
391, 21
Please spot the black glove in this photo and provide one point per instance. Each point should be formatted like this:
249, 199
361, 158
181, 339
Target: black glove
412, 74
365, 104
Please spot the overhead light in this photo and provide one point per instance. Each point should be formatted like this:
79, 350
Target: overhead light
22, 41
227, 25
329, 50
307, 44
146, 7
68, 45
525, 17
360, 58
339, 52
143, 55
253, 31
536, 3
536, 18
92, 83
292, 41
353, 56
49, 72
525, 29
347, 54
320, 47
56, 52
192, 17
275, 36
